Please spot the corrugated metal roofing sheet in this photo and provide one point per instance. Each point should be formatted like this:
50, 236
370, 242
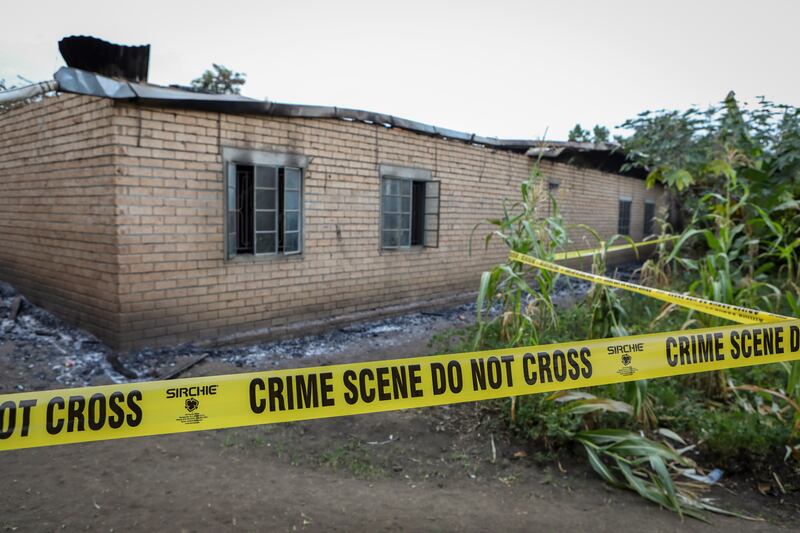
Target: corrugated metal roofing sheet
96, 55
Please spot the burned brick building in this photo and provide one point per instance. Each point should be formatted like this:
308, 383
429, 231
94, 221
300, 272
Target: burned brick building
154, 215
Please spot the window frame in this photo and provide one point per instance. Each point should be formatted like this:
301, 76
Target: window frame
405, 189
410, 174
629, 202
553, 188
231, 158
647, 227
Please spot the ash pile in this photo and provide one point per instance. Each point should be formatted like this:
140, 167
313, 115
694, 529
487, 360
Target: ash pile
40, 351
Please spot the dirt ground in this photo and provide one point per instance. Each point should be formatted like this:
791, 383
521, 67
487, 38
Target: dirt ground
425, 470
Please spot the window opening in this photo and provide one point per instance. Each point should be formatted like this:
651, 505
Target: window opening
624, 221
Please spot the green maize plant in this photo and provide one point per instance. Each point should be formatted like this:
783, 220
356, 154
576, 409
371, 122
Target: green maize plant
526, 302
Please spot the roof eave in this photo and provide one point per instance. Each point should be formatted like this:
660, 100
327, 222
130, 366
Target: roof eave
78, 81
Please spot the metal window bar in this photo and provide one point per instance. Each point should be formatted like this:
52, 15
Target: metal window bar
244, 203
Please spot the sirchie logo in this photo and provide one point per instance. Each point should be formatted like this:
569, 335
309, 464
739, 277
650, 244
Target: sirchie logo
626, 369
192, 415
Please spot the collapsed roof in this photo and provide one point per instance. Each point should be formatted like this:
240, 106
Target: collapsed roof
603, 156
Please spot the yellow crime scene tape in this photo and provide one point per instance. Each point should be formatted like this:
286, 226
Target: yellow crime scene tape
742, 315
159, 407
577, 254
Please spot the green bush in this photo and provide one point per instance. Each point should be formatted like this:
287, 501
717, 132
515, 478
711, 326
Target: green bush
542, 420
739, 441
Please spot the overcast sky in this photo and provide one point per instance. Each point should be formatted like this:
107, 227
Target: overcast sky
493, 67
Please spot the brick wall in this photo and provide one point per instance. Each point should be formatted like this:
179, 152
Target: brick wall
175, 284
112, 215
589, 197
57, 236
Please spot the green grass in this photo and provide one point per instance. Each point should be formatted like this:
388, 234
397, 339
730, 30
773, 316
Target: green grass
353, 458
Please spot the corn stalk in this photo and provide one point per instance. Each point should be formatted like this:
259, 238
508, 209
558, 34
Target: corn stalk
526, 303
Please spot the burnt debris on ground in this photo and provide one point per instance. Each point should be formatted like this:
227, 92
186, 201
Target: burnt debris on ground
38, 350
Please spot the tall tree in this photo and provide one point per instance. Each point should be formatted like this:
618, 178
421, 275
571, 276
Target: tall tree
600, 133
695, 153
220, 80
578, 134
